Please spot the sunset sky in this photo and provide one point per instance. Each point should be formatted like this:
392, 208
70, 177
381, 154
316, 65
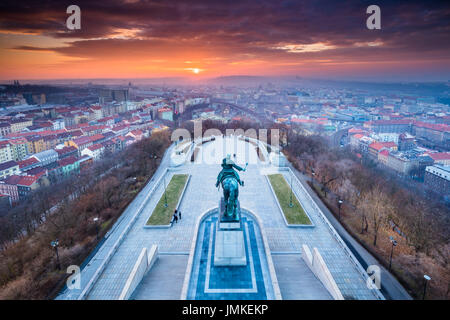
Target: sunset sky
146, 39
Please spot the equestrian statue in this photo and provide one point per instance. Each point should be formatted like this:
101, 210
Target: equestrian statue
230, 181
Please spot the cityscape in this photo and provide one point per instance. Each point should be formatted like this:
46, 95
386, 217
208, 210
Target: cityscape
108, 155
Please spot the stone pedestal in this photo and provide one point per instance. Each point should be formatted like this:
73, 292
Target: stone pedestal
229, 225
229, 249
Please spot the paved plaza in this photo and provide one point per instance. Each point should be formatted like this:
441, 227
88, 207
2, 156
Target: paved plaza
106, 273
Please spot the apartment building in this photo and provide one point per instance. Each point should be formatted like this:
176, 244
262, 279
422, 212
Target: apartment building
5, 152
9, 168
437, 178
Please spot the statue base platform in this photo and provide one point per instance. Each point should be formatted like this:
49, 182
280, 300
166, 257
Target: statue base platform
229, 249
229, 225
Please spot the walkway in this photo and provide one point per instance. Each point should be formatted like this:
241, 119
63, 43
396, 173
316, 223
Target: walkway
165, 280
390, 286
201, 196
99, 254
295, 279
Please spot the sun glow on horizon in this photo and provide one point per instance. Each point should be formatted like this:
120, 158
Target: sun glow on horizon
194, 70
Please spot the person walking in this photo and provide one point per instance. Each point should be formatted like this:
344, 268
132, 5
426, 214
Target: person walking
175, 216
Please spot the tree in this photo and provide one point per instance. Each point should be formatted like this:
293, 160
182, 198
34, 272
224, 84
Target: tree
377, 206
421, 226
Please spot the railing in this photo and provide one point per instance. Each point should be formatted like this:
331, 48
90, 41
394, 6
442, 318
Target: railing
119, 241
262, 147
332, 230
195, 145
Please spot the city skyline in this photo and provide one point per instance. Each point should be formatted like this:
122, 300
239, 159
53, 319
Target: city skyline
201, 40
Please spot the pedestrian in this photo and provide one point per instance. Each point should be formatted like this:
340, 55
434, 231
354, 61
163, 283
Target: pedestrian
175, 216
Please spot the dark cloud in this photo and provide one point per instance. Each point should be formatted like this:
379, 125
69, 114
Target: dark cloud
31, 48
410, 29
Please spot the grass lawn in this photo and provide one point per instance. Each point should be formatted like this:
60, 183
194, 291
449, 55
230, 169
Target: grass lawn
294, 215
162, 215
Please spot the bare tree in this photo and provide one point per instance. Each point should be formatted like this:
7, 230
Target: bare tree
421, 226
377, 206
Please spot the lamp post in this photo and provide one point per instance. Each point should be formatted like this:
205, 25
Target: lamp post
394, 243
165, 196
290, 197
96, 225
339, 206
154, 157
427, 278
55, 244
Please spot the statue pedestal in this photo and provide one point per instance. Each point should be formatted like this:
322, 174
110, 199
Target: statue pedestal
229, 225
229, 249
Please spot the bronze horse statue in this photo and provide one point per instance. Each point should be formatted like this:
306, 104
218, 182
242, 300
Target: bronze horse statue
230, 180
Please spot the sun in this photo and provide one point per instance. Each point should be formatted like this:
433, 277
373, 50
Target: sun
196, 70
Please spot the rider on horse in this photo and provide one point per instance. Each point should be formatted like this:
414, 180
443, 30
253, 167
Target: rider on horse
227, 170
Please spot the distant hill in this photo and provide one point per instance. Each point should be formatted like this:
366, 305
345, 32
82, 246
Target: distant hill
107, 81
413, 88
439, 90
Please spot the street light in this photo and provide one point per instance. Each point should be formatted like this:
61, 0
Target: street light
55, 244
96, 225
339, 206
313, 180
427, 278
290, 198
154, 157
165, 196
394, 243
